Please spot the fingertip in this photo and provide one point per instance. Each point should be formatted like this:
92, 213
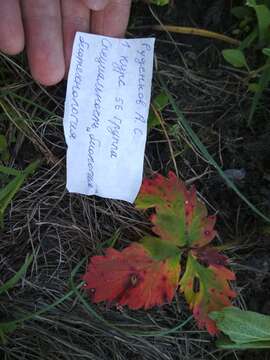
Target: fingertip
47, 77
11, 28
49, 81
46, 63
44, 41
12, 48
46, 69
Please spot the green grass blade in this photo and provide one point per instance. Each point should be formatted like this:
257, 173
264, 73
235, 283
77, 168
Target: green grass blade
164, 332
12, 115
16, 278
248, 41
6, 191
31, 168
5, 329
4, 93
81, 298
46, 309
202, 149
32, 316
10, 190
263, 83
7, 195
9, 171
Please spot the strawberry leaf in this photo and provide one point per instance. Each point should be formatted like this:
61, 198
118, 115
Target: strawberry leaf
132, 277
148, 274
207, 289
180, 217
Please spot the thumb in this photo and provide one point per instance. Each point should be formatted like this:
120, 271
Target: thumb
96, 5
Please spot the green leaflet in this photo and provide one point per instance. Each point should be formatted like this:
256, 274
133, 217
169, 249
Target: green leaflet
205, 279
262, 85
160, 2
159, 103
160, 249
167, 196
263, 16
241, 12
235, 57
206, 289
244, 328
194, 233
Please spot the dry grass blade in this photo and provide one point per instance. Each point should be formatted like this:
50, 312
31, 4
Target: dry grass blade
194, 31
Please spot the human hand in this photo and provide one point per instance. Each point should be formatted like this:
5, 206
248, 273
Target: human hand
47, 28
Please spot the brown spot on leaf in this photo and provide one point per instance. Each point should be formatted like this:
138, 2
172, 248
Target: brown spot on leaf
134, 279
196, 285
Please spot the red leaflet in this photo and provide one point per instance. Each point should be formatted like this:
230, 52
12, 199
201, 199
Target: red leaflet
147, 274
132, 278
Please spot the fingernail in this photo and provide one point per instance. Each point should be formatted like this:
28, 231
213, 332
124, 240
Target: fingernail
96, 5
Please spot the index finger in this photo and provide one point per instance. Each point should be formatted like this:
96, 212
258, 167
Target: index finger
113, 20
11, 27
44, 40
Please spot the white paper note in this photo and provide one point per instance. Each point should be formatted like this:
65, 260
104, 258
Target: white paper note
106, 110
